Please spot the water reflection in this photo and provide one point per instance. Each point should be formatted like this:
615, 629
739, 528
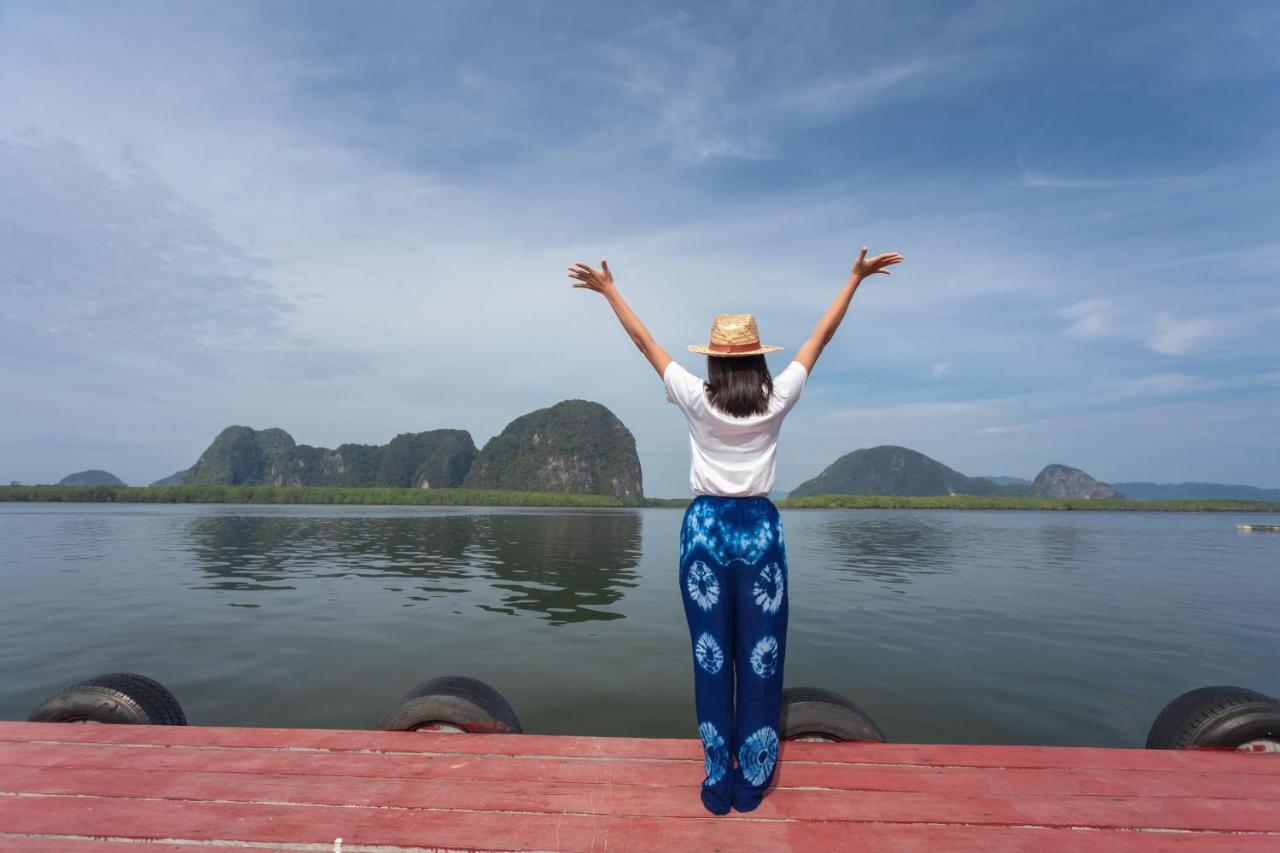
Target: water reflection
570, 567
266, 553
889, 551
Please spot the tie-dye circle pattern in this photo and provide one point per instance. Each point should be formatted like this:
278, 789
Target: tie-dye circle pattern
708, 654
704, 589
758, 754
764, 657
716, 760
769, 588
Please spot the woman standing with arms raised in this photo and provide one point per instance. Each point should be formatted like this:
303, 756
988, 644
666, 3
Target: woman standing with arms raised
733, 565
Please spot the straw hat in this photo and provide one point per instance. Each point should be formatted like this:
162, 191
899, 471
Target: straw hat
734, 334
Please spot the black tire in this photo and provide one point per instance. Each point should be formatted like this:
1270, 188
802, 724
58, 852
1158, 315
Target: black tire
811, 713
117, 697
452, 703
1218, 716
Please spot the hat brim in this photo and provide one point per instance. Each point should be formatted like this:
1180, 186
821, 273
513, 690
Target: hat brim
705, 349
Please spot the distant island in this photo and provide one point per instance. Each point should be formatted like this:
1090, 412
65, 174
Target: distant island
1173, 491
892, 470
243, 456
92, 477
575, 446
1186, 491
1006, 481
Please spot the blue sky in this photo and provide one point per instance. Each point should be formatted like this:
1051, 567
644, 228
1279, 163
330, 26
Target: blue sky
353, 220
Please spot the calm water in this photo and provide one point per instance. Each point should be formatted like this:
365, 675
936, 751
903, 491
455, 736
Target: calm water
987, 627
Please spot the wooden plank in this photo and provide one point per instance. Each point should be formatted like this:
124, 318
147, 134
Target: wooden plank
590, 748
1015, 781
495, 768
284, 823
1183, 813
222, 822
853, 777
52, 844
569, 746
964, 755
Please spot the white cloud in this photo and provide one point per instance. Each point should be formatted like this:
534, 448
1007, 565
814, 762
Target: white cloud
939, 369
1090, 318
1030, 177
1035, 178
826, 100
1179, 336
1007, 429
1163, 383
100, 268
683, 82
711, 100
1163, 332
1185, 385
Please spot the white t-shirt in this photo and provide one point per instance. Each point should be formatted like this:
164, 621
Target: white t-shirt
732, 456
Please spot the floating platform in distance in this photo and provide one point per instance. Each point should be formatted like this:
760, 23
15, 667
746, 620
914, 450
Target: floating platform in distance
1259, 528
97, 788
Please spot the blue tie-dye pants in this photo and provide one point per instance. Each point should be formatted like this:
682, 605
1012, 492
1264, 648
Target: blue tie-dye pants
733, 579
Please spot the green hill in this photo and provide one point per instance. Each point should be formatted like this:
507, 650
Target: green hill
1063, 481
241, 455
892, 470
574, 446
92, 477
1202, 491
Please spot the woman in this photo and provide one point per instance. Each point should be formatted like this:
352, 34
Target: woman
733, 566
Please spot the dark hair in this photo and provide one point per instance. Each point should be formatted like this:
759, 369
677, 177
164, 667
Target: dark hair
739, 385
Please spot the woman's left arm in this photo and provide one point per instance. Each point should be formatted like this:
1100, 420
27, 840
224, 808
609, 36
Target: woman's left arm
601, 281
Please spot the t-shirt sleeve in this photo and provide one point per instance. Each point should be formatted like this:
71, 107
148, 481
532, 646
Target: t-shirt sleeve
682, 387
789, 384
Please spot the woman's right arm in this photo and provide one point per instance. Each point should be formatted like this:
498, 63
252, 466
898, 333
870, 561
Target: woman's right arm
826, 328
601, 281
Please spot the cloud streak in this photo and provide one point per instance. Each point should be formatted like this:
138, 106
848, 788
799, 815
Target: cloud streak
97, 267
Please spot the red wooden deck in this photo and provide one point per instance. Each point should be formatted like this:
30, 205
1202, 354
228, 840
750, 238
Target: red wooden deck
103, 788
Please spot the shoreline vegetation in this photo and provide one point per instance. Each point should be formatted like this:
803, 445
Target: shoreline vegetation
373, 496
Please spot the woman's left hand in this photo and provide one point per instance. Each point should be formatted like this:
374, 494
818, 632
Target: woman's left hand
599, 280
865, 266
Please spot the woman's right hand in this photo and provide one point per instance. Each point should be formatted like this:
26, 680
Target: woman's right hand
599, 280
865, 266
